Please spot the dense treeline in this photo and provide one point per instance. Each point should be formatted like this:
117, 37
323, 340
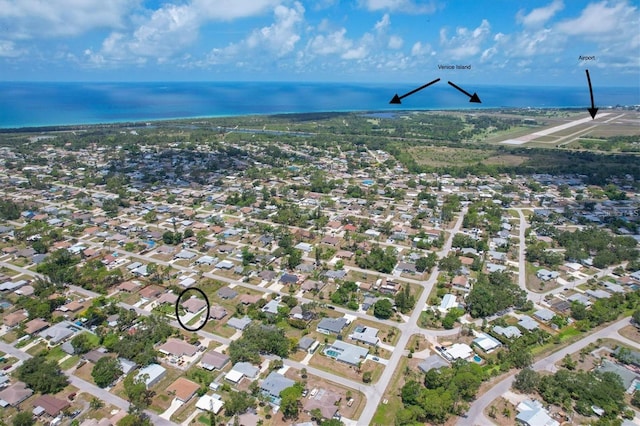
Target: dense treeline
606, 249
576, 390
445, 391
493, 293
257, 339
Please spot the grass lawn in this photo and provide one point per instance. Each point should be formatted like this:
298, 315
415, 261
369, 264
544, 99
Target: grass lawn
69, 362
34, 350
56, 354
386, 413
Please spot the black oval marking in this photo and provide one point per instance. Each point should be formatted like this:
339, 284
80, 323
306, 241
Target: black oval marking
206, 319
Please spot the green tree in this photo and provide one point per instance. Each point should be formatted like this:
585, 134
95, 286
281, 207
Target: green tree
81, 343
290, 401
106, 371
24, 418
238, 403
383, 309
137, 393
42, 375
526, 381
133, 419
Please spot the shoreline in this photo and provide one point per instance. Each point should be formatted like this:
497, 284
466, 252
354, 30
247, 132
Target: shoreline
153, 122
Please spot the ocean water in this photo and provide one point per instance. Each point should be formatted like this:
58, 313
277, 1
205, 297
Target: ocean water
54, 104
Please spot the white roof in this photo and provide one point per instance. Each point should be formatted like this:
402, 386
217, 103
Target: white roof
234, 376
459, 351
448, 302
209, 403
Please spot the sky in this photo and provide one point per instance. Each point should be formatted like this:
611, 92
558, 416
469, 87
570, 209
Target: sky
525, 42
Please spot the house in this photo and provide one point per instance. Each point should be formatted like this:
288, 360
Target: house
432, 362
324, 400
271, 308
178, 348
151, 374
59, 332
128, 286
73, 306
213, 360
630, 379
458, 351
274, 384
448, 302
15, 318
544, 315
126, 365
308, 344
183, 389
545, 275
14, 394
532, 413
368, 335
485, 342
240, 370
206, 260
598, 294
345, 352
170, 298
510, 332
289, 279
331, 325
249, 299
151, 292
528, 323
239, 323
210, 403
50, 405
267, 275
311, 285
94, 356
580, 298
185, 255
217, 312
225, 264
227, 293
461, 282
194, 304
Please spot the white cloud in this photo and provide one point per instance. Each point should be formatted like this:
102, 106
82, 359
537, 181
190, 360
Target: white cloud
465, 43
602, 18
419, 49
407, 6
383, 24
165, 32
395, 42
282, 35
8, 49
226, 10
331, 43
540, 15
24, 19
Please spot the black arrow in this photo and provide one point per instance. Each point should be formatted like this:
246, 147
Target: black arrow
593, 110
396, 98
472, 98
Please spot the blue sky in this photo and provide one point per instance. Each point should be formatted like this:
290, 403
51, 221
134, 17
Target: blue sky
505, 41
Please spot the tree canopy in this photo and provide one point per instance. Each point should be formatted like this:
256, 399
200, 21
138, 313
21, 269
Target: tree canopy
106, 371
259, 338
42, 375
493, 293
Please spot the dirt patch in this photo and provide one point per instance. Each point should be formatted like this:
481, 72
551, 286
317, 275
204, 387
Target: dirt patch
631, 332
341, 369
501, 412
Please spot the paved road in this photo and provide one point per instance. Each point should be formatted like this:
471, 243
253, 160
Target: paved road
475, 416
14, 352
407, 330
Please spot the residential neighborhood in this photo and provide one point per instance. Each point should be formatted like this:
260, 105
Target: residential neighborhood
252, 283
